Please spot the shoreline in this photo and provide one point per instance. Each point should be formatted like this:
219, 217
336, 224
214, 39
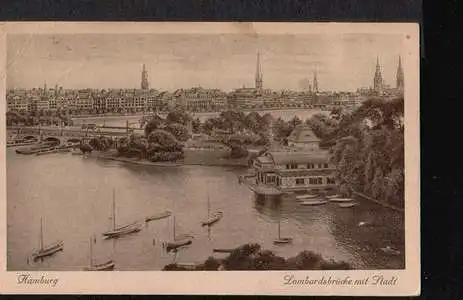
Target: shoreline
385, 205
140, 114
165, 164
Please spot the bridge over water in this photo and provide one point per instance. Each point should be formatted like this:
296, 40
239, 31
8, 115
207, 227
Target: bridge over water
69, 134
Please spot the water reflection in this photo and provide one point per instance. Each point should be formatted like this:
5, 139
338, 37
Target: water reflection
74, 196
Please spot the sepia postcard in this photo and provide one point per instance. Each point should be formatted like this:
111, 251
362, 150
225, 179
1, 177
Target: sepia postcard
210, 158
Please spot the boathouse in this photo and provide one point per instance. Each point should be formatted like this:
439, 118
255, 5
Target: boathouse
295, 170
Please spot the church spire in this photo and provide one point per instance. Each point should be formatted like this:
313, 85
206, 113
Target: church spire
378, 78
315, 82
144, 78
400, 75
259, 81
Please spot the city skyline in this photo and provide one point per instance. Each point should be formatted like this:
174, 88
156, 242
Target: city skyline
225, 62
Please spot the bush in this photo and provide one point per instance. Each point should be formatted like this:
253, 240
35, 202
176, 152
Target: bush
251, 257
238, 152
166, 156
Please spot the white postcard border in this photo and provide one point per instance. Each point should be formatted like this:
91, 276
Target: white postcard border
233, 282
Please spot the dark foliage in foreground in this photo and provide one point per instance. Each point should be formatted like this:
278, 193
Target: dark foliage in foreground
252, 257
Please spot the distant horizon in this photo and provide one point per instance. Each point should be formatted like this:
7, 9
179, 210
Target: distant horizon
343, 63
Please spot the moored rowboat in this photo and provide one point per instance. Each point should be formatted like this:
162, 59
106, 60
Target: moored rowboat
340, 199
304, 197
213, 219
347, 205
314, 202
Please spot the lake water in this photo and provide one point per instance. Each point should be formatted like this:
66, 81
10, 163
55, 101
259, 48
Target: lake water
74, 196
285, 114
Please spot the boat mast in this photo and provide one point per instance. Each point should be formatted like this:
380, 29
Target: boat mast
91, 251
41, 233
174, 228
114, 209
279, 228
208, 205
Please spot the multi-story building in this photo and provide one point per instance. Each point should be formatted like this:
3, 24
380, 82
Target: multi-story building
293, 171
301, 166
113, 100
199, 99
83, 100
245, 98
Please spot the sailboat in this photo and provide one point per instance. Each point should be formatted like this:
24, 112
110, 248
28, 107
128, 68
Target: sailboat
177, 242
282, 240
48, 250
118, 231
211, 219
106, 266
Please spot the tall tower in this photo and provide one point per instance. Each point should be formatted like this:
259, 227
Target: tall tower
378, 83
400, 76
259, 80
378, 79
315, 83
144, 78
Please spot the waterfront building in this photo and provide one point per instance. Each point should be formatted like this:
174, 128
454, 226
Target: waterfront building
246, 98
303, 138
295, 170
99, 101
198, 99
17, 100
83, 100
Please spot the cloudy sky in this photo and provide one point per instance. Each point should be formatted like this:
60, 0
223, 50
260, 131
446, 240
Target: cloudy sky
343, 62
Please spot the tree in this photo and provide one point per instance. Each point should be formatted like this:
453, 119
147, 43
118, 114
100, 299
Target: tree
196, 124
165, 140
152, 123
179, 131
179, 116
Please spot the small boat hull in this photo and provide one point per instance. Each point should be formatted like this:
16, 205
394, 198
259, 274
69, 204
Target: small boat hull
133, 228
214, 219
347, 205
314, 203
48, 250
107, 266
281, 241
341, 199
177, 244
163, 215
305, 197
